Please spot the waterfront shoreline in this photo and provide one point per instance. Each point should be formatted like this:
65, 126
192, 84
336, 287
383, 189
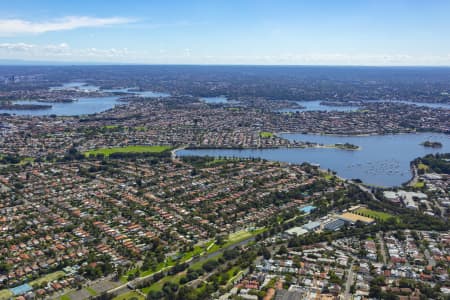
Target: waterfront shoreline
377, 163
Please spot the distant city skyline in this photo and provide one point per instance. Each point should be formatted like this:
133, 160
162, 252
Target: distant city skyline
263, 32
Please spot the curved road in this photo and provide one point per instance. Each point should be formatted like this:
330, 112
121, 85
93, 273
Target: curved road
124, 287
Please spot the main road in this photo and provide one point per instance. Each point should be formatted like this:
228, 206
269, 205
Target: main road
127, 287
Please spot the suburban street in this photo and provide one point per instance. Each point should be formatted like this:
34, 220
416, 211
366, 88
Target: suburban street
349, 282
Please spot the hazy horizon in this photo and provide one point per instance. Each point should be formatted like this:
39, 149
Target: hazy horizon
25, 63
200, 32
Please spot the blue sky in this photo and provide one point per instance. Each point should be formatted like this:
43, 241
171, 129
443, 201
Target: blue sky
324, 32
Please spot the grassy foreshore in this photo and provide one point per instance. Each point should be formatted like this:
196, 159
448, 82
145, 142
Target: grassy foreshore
128, 149
266, 134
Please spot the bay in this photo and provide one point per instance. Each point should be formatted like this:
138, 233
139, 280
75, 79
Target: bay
384, 160
83, 106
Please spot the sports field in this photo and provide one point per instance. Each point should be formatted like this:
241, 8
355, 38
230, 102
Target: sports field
128, 149
377, 215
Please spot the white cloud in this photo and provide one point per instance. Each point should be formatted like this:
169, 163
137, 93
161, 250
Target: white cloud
59, 48
13, 27
61, 52
64, 52
16, 46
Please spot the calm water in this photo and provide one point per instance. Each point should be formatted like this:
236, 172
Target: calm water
75, 85
432, 105
315, 105
83, 106
383, 160
148, 94
214, 100
151, 94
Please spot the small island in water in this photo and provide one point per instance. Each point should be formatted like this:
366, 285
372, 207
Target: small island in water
432, 144
347, 146
342, 146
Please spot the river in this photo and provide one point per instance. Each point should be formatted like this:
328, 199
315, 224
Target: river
318, 106
84, 105
383, 159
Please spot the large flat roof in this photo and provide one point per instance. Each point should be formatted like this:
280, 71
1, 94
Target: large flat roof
296, 231
311, 225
